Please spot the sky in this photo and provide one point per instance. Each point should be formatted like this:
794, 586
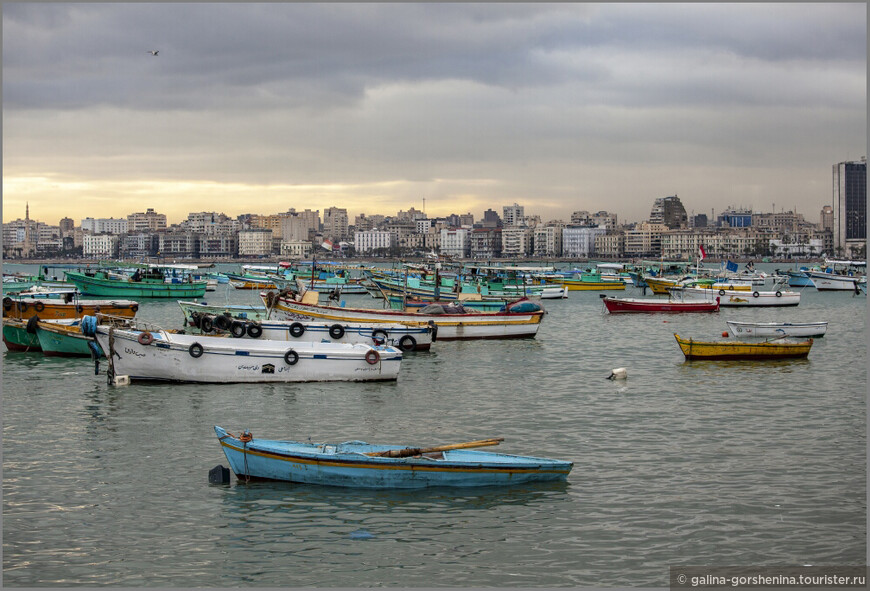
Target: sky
447, 108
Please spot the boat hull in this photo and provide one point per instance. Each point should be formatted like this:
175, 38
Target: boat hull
55, 309
171, 357
693, 349
627, 305
65, 340
580, 285
832, 282
777, 329
497, 325
407, 337
346, 465
733, 298
116, 288
16, 338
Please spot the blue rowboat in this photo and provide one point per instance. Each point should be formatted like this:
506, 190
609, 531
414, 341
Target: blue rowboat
355, 464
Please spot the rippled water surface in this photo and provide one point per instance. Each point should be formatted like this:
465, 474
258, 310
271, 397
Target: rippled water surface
682, 463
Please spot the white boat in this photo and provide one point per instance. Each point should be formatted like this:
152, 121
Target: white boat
777, 329
738, 298
833, 281
520, 320
161, 355
417, 336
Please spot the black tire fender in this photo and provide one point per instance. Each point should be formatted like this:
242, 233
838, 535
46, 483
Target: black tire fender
237, 329
291, 357
407, 343
297, 329
195, 350
336, 331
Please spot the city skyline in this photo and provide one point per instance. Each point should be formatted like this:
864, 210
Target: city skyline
374, 108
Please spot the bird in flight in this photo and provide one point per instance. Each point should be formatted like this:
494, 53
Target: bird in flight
154, 52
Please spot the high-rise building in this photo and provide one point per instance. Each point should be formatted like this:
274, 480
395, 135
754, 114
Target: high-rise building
670, 212
850, 205
826, 218
335, 223
514, 215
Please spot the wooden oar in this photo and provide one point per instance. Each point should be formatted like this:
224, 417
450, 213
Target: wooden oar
415, 451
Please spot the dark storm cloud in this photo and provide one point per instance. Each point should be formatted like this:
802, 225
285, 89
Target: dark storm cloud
281, 55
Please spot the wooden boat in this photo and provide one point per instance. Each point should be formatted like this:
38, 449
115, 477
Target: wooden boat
628, 305
18, 338
249, 281
734, 298
64, 338
241, 311
520, 320
416, 336
163, 355
587, 282
54, 308
774, 349
413, 303
151, 284
777, 329
362, 465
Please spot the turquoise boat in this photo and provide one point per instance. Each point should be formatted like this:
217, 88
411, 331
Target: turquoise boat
64, 338
362, 465
151, 284
17, 337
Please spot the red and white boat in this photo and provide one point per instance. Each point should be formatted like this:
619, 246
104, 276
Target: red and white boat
623, 305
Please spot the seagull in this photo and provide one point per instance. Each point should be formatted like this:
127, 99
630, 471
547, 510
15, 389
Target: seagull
154, 52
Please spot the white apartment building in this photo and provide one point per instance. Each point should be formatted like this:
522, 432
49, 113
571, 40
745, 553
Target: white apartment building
296, 249
255, 242
456, 242
100, 245
579, 241
371, 240
105, 225
812, 247
423, 225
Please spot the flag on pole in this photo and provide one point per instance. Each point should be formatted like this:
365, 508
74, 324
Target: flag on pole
327, 244
701, 252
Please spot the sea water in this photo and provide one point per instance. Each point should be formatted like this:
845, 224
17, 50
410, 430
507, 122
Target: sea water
682, 463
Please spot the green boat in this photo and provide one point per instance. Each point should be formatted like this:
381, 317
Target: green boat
151, 284
17, 338
64, 338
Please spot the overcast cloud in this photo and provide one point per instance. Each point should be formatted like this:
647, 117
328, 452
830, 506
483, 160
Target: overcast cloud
558, 107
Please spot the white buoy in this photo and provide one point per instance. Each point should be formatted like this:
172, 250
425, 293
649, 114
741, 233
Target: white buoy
121, 381
620, 373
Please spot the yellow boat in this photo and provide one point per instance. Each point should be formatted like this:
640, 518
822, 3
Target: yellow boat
581, 285
773, 349
661, 285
